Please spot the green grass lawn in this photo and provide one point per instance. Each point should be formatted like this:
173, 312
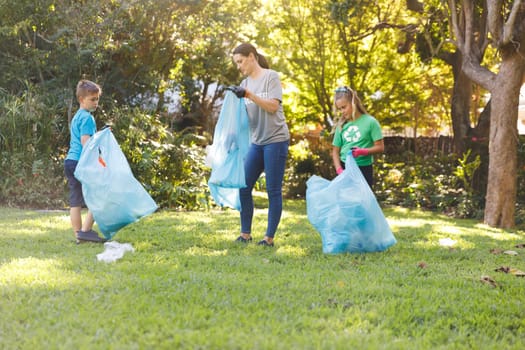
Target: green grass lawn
189, 286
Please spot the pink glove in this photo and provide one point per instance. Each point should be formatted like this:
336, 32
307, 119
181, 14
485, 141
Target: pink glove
358, 152
339, 170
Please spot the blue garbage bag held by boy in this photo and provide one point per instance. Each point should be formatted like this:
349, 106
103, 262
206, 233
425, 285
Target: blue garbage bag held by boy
346, 213
231, 141
110, 190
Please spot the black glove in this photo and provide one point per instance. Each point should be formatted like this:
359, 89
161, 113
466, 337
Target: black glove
237, 90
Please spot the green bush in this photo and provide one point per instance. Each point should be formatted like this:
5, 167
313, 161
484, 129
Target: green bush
31, 136
34, 138
306, 158
28, 183
169, 164
438, 182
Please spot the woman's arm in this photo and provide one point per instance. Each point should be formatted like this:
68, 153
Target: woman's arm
270, 105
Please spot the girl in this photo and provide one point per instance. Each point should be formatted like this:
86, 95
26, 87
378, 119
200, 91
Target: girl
356, 132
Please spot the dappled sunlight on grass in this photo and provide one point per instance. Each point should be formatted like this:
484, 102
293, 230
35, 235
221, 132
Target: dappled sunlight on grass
447, 235
414, 222
260, 211
34, 226
188, 274
499, 235
292, 215
396, 223
201, 251
449, 230
483, 226
430, 228
434, 242
32, 271
293, 251
143, 246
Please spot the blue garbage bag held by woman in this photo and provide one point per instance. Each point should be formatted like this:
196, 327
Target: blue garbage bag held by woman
110, 190
231, 141
346, 213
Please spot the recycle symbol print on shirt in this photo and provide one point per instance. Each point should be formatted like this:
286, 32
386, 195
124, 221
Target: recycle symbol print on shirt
352, 134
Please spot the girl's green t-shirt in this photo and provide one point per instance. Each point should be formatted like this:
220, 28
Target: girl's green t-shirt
362, 133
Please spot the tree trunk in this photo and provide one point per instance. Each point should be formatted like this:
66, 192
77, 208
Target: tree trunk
482, 128
460, 106
503, 141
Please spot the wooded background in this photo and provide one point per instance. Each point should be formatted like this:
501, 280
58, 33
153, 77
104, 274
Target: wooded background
430, 67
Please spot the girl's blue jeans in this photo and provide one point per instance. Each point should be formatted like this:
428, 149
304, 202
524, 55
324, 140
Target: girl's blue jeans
271, 159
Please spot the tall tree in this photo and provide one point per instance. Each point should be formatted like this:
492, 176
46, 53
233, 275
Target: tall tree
431, 41
325, 43
503, 27
302, 44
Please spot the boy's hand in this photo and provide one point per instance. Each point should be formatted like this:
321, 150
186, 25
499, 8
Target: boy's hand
339, 170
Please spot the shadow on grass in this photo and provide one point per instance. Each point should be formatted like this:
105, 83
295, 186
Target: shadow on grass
211, 234
188, 274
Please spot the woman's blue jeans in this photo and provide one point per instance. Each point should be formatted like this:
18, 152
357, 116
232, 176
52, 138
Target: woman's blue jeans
271, 159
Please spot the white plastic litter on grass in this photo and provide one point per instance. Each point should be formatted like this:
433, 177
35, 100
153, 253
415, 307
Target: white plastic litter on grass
114, 250
447, 242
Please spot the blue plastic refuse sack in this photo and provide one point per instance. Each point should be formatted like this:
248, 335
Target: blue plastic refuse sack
110, 190
346, 213
231, 141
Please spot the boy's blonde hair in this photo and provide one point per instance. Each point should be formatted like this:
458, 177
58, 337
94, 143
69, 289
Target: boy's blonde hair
87, 87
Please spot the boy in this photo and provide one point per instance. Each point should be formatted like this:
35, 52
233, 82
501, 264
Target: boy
82, 128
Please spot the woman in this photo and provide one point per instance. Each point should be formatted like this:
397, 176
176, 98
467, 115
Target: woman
356, 131
269, 138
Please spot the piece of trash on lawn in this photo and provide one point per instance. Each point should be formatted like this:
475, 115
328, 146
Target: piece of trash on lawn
511, 270
422, 265
114, 250
447, 242
488, 280
510, 252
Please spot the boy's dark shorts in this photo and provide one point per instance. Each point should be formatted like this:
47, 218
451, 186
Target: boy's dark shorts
76, 199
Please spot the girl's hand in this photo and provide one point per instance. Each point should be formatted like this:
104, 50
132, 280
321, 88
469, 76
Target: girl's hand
358, 152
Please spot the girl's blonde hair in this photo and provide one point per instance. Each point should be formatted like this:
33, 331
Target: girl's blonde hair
351, 96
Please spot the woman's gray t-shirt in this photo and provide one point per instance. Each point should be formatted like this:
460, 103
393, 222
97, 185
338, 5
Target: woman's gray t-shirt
266, 127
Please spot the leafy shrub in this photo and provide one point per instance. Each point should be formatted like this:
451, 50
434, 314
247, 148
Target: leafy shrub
31, 183
437, 182
169, 164
30, 133
306, 158
34, 137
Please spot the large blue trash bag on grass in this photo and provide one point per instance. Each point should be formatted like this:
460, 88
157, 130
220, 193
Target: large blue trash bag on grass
346, 213
225, 156
110, 190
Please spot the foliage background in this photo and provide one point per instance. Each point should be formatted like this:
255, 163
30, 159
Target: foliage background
163, 65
